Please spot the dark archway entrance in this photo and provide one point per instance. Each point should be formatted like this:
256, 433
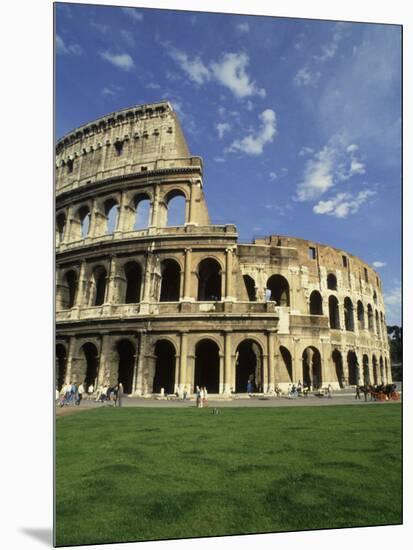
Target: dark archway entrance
61, 362
207, 365
280, 290
312, 367
287, 371
338, 363
316, 303
353, 370
91, 356
366, 373
209, 283
375, 374
164, 367
126, 353
171, 279
250, 286
133, 275
248, 367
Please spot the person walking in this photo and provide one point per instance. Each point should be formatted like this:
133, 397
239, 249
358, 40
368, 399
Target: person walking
80, 392
204, 396
249, 388
198, 396
73, 393
119, 396
330, 391
357, 396
90, 391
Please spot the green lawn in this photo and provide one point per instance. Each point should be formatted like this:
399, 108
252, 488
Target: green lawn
143, 474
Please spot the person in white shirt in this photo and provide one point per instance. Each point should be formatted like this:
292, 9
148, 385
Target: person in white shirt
80, 392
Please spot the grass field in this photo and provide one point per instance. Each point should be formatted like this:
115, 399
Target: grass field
146, 474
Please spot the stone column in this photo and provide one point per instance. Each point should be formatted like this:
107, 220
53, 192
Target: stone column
228, 275
72, 229
226, 385
187, 276
70, 352
271, 360
183, 378
139, 365
155, 207
80, 300
191, 205
146, 282
111, 285
294, 274
92, 220
265, 380
297, 370
104, 371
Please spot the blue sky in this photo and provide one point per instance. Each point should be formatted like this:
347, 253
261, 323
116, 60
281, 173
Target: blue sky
297, 121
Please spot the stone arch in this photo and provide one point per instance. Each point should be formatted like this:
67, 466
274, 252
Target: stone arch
280, 290
170, 281
316, 303
68, 289
250, 287
375, 297
353, 370
141, 204
366, 369
312, 374
60, 227
348, 314
207, 363
61, 365
133, 282
126, 363
83, 216
99, 277
375, 371
111, 209
165, 365
382, 373
338, 367
209, 280
377, 323
248, 366
286, 370
175, 202
331, 281
370, 318
90, 364
334, 312
360, 315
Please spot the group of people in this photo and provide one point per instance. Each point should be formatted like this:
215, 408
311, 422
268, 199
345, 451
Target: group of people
72, 394
201, 397
111, 393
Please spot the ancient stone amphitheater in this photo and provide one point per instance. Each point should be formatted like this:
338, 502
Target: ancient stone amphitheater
152, 294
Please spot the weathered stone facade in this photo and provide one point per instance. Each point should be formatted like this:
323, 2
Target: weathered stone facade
155, 305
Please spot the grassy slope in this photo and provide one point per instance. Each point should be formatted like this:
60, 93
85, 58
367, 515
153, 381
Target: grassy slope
141, 474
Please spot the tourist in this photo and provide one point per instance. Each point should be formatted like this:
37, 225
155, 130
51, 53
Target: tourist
299, 387
90, 390
204, 397
119, 395
330, 391
68, 389
198, 397
73, 393
249, 388
80, 392
357, 396
57, 395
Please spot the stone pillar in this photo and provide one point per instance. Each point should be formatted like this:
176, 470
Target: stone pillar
72, 226
155, 207
139, 365
146, 282
271, 360
294, 275
80, 300
265, 380
191, 206
187, 275
106, 371
190, 372
149, 373
111, 285
183, 382
70, 352
93, 220
226, 383
297, 370
228, 275
221, 373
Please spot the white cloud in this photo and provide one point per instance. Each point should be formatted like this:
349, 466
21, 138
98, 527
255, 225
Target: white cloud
194, 68
342, 204
152, 86
393, 300
231, 73
253, 144
222, 127
128, 37
122, 61
377, 264
273, 176
62, 48
134, 14
243, 27
111, 90
219, 159
100, 27
329, 50
305, 151
306, 77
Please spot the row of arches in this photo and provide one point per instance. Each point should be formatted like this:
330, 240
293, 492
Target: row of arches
373, 321
332, 285
139, 215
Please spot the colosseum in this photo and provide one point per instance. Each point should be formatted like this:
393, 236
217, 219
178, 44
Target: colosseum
160, 301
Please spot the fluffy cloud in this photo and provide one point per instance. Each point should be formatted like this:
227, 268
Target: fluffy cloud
243, 27
128, 37
306, 77
122, 61
253, 144
222, 127
231, 73
194, 68
134, 14
378, 264
343, 204
62, 48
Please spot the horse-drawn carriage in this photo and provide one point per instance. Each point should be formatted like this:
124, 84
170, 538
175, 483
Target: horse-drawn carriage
380, 392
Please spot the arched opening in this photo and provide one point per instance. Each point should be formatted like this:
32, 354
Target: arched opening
209, 280
375, 373
338, 365
353, 371
250, 286
142, 206
360, 315
383, 328
366, 370
286, 372
377, 324
84, 219
126, 353
382, 373
207, 365
61, 363
348, 314
334, 312
331, 281
375, 297
111, 213
386, 366
280, 290
133, 275
99, 279
312, 367
68, 291
91, 356
60, 228
176, 209
248, 367
164, 367
171, 280
316, 303
370, 318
